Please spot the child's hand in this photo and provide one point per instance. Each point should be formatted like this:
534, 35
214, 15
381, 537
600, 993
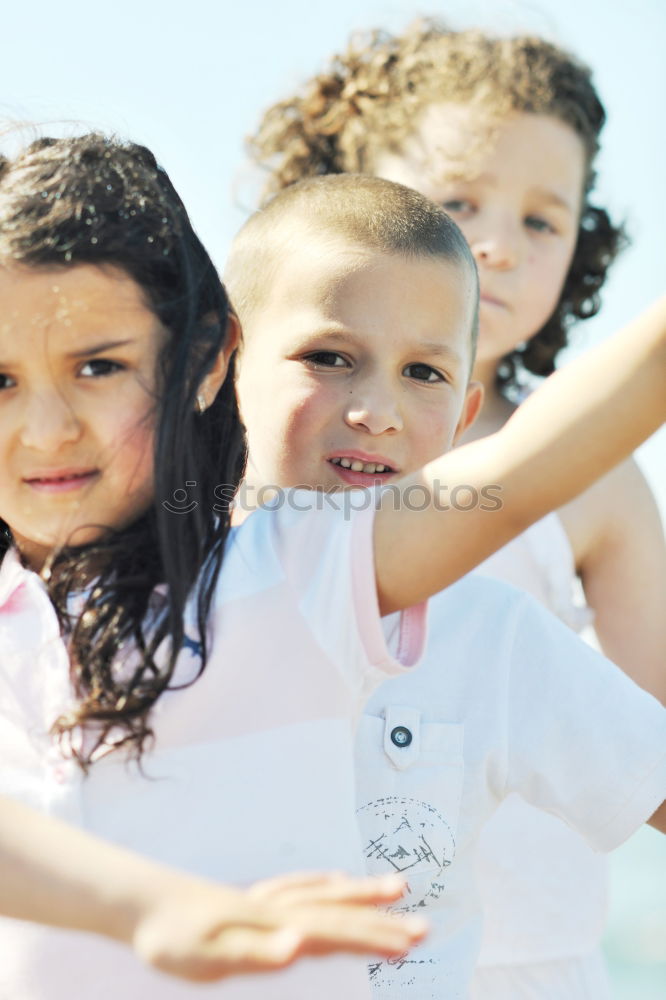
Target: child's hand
203, 932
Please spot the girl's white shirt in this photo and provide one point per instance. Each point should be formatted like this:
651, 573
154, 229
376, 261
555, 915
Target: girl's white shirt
251, 772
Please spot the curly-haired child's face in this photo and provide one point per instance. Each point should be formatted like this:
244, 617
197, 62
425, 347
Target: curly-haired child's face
514, 187
78, 361
355, 369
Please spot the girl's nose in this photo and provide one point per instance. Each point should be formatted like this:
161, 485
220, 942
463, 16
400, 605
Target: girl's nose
49, 422
497, 247
374, 410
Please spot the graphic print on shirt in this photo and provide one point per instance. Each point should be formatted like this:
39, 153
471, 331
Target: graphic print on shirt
384, 974
412, 838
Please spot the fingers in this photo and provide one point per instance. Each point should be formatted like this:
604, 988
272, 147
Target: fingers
313, 887
207, 933
358, 930
249, 950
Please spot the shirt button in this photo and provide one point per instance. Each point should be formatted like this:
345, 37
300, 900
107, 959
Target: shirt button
401, 736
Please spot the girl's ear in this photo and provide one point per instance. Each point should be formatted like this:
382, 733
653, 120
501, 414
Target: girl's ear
471, 409
212, 383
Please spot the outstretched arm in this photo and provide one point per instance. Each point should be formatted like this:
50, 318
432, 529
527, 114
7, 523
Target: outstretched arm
579, 424
55, 874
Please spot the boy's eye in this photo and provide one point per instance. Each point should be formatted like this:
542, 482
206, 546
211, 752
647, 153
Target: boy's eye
98, 367
6, 382
423, 373
538, 224
326, 359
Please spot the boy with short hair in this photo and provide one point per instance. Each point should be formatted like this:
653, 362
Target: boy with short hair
355, 373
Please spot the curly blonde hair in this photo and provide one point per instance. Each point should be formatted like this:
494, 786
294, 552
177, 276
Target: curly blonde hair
368, 99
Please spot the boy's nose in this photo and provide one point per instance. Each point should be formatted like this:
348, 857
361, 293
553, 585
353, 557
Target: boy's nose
374, 410
49, 422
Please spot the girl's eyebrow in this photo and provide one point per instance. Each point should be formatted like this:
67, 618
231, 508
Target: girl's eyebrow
546, 194
107, 345
553, 198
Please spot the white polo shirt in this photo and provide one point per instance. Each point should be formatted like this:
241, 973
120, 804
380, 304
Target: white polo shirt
251, 773
506, 699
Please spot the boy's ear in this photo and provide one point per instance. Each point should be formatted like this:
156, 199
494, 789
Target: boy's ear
212, 383
471, 409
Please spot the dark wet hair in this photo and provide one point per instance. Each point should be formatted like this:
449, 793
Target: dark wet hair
96, 200
369, 97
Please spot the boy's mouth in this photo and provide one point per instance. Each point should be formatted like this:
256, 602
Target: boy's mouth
356, 465
357, 471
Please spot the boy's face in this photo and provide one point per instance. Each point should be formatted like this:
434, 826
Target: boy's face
355, 368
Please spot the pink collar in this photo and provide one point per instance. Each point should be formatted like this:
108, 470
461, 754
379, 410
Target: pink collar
13, 576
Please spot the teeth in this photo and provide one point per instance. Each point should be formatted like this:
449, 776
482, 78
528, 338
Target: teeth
357, 466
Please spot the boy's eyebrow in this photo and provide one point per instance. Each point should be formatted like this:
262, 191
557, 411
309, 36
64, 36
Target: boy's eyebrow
441, 350
107, 345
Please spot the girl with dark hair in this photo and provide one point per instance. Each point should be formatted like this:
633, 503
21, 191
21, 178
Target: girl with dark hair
117, 397
503, 133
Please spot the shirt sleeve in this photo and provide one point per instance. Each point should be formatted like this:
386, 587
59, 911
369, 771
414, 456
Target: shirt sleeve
325, 546
584, 741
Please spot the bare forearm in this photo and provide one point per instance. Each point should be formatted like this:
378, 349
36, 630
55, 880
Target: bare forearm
55, 874
579, 424
591, 415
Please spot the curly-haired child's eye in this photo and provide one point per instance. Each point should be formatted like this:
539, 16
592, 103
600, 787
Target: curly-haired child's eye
99, 367
538, 224
456, 205
423, 373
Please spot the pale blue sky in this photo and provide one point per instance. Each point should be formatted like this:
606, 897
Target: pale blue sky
190, 80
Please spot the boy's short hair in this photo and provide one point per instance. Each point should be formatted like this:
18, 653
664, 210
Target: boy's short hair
369, 212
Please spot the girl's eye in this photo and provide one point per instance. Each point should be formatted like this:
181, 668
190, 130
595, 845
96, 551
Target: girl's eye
423, 373
457, 205
99, 367
538, 224
326, 359
6, 382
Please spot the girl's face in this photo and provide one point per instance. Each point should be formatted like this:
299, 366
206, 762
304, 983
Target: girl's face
78, 359
514, 187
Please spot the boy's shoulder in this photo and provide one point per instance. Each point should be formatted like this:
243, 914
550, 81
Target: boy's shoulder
481, 603
488, 632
